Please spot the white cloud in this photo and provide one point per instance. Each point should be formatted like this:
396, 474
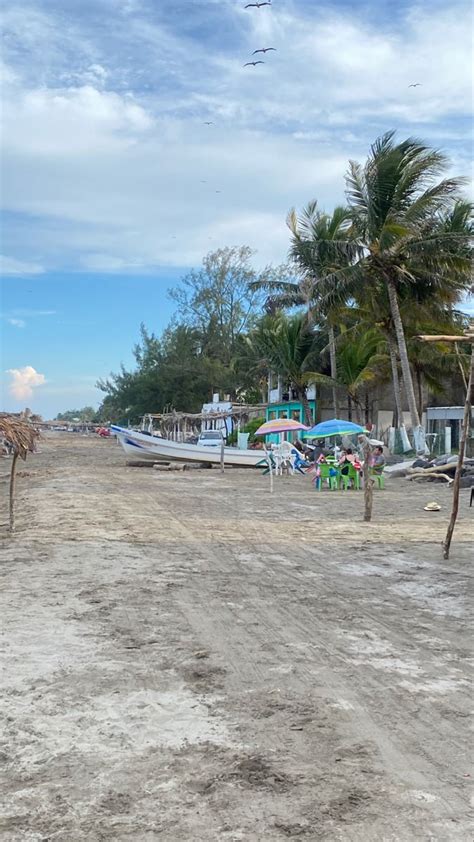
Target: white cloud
24, 380
17, 322
107, 155
12, 266
31, 312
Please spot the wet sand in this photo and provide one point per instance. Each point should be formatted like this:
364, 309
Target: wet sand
186, 657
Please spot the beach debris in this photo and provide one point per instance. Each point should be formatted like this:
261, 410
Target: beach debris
432, 507
171, 466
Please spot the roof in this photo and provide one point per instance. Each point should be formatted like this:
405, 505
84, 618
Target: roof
19, 433
238, 410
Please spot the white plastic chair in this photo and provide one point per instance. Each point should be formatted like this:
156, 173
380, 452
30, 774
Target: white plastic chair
287, 457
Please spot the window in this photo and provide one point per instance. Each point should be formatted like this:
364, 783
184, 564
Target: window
296, 414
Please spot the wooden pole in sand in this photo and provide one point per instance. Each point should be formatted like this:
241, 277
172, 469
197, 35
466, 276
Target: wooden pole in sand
368, 480
469, 337
222, 455
12, 491
462, 448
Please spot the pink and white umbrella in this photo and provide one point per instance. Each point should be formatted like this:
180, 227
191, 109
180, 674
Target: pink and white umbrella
280, 425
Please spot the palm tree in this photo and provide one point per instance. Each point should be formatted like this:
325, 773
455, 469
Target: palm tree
362, 361
289, 346
320, 244
412, 230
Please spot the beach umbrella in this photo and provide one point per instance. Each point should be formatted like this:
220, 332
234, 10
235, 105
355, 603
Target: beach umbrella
336, 427
280, 425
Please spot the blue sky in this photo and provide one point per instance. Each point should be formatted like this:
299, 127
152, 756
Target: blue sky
109, 173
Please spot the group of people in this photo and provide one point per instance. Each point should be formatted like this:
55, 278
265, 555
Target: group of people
318, 453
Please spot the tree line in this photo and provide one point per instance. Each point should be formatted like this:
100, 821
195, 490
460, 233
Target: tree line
360, 284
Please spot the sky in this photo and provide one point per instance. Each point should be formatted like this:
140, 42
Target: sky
113, 186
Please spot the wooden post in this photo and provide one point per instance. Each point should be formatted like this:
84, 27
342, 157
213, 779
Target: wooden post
368, 480
12, 491
222, 454
462, 448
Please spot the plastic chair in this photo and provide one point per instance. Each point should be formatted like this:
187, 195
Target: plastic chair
263, 463
328, 473
378, 477
351, 477
299, 463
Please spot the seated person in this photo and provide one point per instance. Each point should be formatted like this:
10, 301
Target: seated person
346, 458
378, 461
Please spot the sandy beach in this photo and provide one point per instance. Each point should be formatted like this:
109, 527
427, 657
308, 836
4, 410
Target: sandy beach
186, 657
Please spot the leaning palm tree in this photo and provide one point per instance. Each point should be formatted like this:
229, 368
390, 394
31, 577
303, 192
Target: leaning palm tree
412, 231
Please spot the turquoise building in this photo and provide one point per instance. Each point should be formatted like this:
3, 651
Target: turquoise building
284, 404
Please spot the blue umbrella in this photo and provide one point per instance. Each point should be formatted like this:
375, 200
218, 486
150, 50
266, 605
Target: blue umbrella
336, 427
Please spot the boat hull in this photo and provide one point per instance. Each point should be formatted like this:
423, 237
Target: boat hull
151, 448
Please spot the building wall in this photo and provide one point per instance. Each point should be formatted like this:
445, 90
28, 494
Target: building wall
287, 409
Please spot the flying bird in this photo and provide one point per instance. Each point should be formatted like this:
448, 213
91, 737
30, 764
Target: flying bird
416, 85
218, 191
264, 50
257, 5
208, 123
252, 63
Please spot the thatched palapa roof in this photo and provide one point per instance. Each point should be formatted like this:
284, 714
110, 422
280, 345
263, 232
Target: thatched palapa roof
19, 434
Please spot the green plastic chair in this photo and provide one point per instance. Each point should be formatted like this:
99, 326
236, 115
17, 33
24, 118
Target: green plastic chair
378, 477
352, 476
264, 464
329, 473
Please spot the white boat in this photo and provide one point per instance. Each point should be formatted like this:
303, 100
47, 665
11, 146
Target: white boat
153, 448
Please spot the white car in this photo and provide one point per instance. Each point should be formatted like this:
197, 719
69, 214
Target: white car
210, 438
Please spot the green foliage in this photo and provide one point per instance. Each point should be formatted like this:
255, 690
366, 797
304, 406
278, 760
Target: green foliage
249, 428
195, 355
223, 299
362, 283
87, 413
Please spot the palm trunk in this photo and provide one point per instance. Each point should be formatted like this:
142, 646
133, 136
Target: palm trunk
333, 362
419, 386
402, 350
397, 391
367, 410
349, 407
308, 416
358, 409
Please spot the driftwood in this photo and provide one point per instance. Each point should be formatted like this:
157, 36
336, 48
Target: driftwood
430, 477
433, 473
142, 463
171, 466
